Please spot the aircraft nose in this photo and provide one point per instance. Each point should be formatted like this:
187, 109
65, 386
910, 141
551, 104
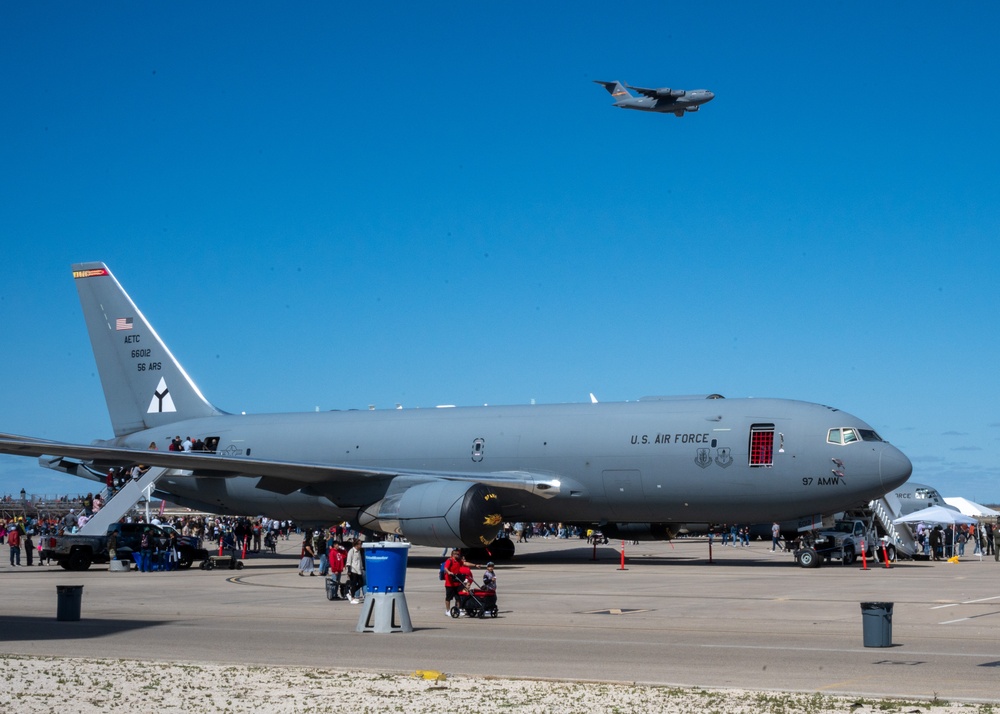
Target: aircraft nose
710, 95
894, 467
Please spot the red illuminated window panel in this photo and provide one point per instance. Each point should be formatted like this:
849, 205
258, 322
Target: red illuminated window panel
762, 445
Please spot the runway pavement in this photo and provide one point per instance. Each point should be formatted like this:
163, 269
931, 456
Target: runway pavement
751, 619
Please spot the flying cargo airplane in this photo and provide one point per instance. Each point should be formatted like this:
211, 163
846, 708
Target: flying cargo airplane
664, 100
445, 477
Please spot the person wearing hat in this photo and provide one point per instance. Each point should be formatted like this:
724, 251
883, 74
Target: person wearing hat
29, 544
14, 541
452, 571
490, 578
69, 520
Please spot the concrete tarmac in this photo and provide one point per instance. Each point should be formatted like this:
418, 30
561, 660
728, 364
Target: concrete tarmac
752, 619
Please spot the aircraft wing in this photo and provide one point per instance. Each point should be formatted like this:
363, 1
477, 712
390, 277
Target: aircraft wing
277, 476
651, 93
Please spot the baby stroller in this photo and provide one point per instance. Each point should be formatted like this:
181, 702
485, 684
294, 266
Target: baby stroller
476, 602
270, 542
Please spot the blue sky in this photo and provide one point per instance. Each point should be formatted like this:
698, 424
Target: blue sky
334, 205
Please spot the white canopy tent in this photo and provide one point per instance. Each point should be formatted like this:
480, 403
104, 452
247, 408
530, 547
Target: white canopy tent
936, 514
971, 508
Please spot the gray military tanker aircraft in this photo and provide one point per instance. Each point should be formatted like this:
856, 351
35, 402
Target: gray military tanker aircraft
664, 100
450, 476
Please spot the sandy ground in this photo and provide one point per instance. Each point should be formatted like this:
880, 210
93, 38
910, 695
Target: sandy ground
59, 685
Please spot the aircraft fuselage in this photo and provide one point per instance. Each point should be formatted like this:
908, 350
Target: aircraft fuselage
663, 461
691, 101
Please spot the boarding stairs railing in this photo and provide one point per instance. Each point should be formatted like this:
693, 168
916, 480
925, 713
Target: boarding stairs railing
899, 534
116, 506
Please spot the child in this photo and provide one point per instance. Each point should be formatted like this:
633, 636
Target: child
490, 578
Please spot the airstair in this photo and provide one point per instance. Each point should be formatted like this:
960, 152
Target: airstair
115, 507
885, 510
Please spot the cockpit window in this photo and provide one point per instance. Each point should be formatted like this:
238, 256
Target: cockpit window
928, 493
846, 435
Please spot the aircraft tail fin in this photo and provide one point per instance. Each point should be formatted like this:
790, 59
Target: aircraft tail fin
144, 385
615, 89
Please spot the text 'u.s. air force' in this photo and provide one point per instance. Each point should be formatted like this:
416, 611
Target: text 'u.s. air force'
639, 439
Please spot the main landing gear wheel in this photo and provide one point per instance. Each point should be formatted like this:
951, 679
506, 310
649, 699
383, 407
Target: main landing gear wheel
809, 558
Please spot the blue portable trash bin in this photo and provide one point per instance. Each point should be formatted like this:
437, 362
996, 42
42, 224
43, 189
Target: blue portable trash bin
137, 557
385, 566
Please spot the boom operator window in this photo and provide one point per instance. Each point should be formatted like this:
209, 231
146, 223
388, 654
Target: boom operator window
762, 445
849, 435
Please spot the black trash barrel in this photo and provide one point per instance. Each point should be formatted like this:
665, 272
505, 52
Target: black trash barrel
68, 604
876, 619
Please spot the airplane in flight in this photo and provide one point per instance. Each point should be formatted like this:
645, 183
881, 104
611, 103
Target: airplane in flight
451, 476
664, 100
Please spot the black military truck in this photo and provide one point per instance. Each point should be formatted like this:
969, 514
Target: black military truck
79, 552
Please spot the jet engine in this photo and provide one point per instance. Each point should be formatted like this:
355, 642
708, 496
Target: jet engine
667, 92
438, 513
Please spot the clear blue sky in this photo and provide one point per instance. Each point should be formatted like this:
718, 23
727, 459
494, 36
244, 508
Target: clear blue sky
334, 205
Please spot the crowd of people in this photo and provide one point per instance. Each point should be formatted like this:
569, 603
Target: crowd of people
336, 552
940, 543
733, 534
19, 533
522, 532
332, 553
